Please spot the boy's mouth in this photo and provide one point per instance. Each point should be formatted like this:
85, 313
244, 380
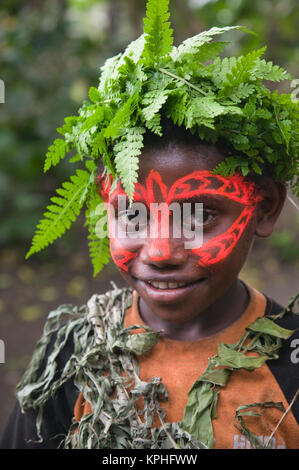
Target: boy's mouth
168, 291
169, 285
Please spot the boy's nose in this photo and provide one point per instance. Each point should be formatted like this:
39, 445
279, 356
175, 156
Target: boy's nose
162, 252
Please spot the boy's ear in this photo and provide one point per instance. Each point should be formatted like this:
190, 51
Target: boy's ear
270, 207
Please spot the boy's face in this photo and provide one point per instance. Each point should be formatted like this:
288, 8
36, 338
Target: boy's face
174, 282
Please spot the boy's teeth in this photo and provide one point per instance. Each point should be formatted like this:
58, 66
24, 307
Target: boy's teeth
167, 285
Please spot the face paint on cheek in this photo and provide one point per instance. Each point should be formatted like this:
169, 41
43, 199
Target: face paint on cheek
120, 255
217, 249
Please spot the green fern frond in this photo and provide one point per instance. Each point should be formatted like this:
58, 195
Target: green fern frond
243, 91
126, 153
267, 71
69, 123
158, 34
98, 241
241, 72
210, 51
230, 165
203, 110
153, 102
56, 152
108, 73
122, 117
63, 212
111, 69
99, 252
134, 50
94, 94
221, 69
94, 120
193, 45
177, 105
154, 125
152, 79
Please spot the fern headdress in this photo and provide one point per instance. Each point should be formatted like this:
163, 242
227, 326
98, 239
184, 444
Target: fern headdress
192, 86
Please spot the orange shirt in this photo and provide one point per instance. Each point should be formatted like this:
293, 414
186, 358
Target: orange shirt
180, 363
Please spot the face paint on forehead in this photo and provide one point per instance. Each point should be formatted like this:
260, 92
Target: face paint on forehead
195, 184
198, 183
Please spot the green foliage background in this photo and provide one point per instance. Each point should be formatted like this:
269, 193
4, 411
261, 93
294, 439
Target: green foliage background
51, 52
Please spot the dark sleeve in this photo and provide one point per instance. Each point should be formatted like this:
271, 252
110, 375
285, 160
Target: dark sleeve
20, 431
285, 369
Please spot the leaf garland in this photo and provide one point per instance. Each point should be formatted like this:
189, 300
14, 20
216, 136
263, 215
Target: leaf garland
104, 350
226, 98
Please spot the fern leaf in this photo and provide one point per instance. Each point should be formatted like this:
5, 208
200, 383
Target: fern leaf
98, 243
55, 153
69, 123
112, 67
243, 91
94, 94
177, 105
203, 110
154, 101
264, 70
107, 73
222, 68
122, 117
285, 127
126, 158
154, 125
93, 120
193, 45
240, 72
99, 252
158, 34
134, 50
230, 165
62, 213
209, 51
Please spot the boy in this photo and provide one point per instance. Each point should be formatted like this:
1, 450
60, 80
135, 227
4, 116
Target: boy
174, 360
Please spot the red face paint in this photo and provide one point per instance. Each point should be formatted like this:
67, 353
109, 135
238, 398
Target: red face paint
196, 184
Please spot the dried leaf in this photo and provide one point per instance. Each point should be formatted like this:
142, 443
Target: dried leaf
239, 416
139, 343
267, 326
236, 360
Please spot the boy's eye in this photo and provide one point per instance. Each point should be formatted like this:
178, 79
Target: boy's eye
197, 219
131, 220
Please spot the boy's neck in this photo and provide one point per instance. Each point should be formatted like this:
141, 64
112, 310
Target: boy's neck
221, 314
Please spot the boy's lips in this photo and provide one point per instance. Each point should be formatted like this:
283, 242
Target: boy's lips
168, 290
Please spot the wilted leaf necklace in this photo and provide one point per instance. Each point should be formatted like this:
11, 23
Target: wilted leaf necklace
104, 368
